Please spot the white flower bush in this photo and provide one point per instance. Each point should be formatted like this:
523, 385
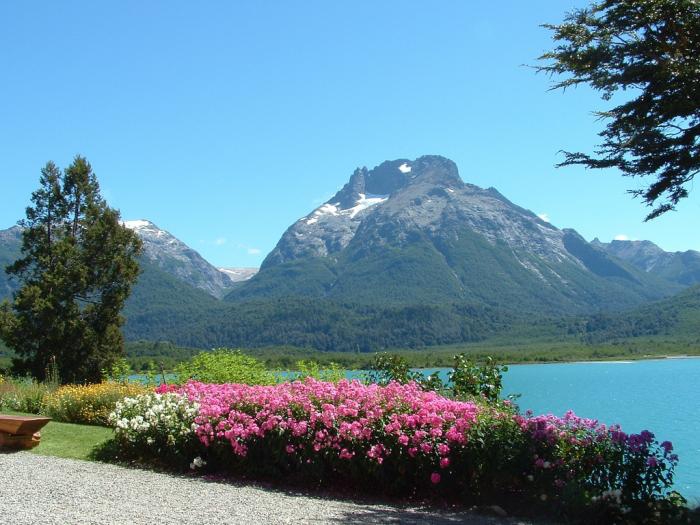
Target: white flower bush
155, 425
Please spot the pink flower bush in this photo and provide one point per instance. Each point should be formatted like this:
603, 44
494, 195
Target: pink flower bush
410, 441
345, 420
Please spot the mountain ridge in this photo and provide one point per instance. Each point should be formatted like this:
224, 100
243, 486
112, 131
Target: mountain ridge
404, 255
682, 267
414, 232
175, 257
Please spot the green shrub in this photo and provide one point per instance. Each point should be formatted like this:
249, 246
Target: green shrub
118, 372
23, 395
223, 365
388, 367
472, 380
467, 380
332, 373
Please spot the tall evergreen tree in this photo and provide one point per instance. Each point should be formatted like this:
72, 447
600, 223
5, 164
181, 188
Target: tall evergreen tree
77, 267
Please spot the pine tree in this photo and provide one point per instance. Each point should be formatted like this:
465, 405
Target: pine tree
77, 267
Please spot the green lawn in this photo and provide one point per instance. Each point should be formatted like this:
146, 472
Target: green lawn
66, 440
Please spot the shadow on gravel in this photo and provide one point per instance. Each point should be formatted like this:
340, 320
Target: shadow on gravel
373, 509
407, 516
368, 509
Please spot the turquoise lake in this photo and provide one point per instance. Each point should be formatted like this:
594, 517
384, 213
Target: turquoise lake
662, 396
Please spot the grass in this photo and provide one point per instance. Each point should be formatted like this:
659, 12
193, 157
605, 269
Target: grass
67, 440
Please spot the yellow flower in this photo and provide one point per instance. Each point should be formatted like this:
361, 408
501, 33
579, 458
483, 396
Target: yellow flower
89, 404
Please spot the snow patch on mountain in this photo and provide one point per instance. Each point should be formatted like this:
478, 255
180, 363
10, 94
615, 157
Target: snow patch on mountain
364, 202
138, 224
326, 209
239, 274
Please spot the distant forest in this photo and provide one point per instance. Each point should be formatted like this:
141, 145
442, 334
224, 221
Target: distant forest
337, 327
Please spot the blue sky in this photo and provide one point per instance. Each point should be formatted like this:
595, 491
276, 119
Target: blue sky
224, 122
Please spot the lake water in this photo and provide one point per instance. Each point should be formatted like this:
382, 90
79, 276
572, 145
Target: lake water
662, 396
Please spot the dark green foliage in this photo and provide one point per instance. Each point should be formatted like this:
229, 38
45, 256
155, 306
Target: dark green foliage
467, 379
332, 327
391, 367
414, 273
148, 356
76, 269
678, 316
650, 50
511, 349
321, 324
470, 379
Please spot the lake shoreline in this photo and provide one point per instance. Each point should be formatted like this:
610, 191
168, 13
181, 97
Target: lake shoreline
612, 360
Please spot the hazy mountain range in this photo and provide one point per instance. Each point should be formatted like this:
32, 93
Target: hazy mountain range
404, 254
679, 267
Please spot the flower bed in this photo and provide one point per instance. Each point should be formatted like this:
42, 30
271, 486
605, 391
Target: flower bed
156, 427
88, 404
405, 441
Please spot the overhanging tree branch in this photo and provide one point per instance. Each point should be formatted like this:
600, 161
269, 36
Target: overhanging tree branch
652, 48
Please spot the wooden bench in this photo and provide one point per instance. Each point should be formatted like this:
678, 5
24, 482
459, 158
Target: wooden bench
21, 431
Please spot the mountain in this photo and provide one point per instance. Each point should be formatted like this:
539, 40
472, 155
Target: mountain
238, 275
412, 232
160, 249
179, 260
161, 301
10, 243
677, 317
406, 255
678, 267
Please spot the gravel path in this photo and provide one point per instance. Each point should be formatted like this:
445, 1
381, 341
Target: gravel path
42, 490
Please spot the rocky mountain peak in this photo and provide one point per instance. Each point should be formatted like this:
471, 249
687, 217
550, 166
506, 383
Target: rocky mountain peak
394, 175
391, 226
12, 234
176, 258
330, 227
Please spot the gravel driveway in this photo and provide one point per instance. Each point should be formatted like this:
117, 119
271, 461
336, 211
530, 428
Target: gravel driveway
40, 490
